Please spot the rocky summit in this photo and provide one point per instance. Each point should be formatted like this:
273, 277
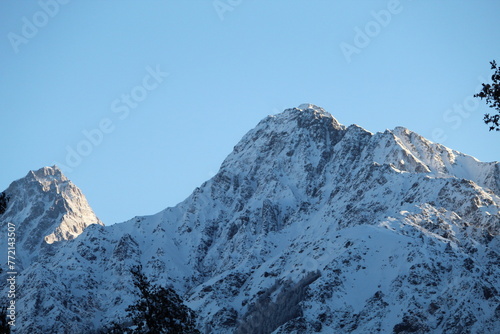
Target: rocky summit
309, 226
46, 208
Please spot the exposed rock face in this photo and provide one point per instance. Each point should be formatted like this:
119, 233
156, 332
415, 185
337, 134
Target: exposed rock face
309, 226
45, 208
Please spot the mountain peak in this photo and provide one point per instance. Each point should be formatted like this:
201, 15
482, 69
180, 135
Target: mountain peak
309, 109
47, 175
289, 135
306, 106
48, 171
305, 115
46, 208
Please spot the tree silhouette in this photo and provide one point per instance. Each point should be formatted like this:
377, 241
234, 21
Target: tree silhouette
158, 309
4, 322
491, 92
4, 199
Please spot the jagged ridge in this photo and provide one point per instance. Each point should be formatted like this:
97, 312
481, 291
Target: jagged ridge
399, 233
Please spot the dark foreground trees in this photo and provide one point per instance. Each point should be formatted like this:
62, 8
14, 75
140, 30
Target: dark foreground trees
4, 322
158, 310
491, 92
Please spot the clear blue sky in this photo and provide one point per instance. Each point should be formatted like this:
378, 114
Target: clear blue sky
79, 66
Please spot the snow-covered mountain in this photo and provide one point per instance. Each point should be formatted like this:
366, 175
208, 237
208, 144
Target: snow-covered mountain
309, 226
44, 208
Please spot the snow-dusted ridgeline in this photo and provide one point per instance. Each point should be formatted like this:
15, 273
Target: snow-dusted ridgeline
309, 226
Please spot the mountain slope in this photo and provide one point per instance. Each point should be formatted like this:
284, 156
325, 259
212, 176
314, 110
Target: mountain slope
309, 226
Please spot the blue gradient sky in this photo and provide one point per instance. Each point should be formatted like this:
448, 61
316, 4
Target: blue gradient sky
230, 63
